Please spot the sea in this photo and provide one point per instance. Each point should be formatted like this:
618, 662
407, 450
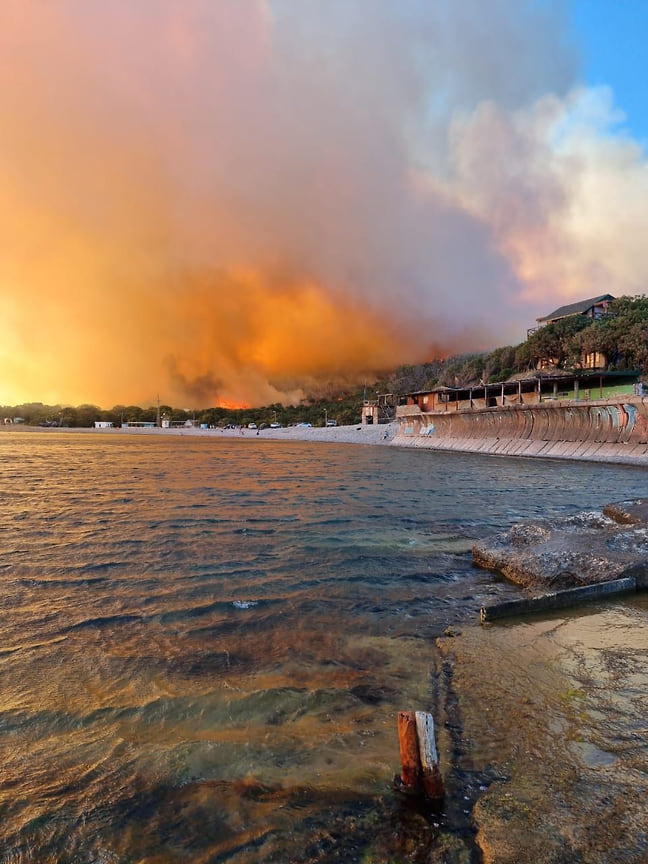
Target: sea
205, 641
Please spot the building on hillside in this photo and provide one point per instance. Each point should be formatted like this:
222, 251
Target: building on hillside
594, 307
582, 387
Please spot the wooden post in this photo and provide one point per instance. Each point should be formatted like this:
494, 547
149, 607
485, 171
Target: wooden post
409, 750
432, 781
420, 772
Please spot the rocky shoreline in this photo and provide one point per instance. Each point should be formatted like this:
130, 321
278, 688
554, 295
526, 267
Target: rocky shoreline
553, 737
583, 549
552, 706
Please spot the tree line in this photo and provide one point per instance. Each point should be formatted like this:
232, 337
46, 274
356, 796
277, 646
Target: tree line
344, 408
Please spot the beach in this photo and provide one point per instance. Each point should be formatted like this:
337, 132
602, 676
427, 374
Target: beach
356, 434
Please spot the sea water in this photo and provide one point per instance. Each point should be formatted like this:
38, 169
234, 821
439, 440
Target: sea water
204, 642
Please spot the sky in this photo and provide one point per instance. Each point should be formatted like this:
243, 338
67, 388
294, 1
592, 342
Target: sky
243, 202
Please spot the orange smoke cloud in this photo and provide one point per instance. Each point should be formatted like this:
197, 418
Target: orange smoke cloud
134, 264
246, 201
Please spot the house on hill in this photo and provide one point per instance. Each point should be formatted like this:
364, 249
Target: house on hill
594, 308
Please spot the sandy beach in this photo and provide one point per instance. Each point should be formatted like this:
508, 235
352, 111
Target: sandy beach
358, 434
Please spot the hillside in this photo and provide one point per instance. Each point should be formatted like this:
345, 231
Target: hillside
618, 341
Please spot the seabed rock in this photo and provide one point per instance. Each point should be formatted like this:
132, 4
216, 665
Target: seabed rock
628, 512
580, 550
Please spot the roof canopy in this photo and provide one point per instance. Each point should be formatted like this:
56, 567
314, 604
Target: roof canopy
579, 308
583, 377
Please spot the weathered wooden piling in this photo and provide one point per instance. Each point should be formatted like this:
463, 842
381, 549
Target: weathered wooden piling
431, 776
557, 599
420, 774
409, 751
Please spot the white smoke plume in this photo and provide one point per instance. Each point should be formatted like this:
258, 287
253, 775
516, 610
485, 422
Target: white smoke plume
234, 200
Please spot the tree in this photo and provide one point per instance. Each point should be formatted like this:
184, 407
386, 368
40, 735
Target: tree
499, 365
86, 415
620, 334
554, 344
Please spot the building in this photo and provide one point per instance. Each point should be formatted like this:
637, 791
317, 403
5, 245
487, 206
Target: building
382, 409
177, 424
594, 307
584, 386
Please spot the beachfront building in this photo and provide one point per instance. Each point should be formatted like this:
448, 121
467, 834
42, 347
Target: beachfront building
176, 424
382, 409
583, 386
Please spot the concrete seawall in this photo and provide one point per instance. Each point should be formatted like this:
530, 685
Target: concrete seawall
613, 430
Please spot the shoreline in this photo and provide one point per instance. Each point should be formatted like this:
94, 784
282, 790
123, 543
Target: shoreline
383, 434
391, 435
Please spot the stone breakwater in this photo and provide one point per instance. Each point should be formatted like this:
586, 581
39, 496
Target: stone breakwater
613, 430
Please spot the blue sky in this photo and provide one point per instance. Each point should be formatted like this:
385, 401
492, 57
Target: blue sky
612, 40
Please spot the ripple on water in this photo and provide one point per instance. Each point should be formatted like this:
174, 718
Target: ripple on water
205, 644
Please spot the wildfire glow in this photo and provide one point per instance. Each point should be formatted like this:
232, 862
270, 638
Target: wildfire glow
237, 203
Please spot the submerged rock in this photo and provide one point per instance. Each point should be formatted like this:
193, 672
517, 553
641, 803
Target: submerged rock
628, 512
584, 549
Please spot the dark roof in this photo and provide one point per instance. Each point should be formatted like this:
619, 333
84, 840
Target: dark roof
579, 308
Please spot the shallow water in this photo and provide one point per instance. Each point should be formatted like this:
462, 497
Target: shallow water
205, 642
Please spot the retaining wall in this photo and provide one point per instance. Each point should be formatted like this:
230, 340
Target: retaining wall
611, 430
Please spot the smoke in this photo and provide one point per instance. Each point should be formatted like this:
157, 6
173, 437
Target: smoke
563, 190
244, 201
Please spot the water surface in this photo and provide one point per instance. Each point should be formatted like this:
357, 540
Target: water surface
205, 641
